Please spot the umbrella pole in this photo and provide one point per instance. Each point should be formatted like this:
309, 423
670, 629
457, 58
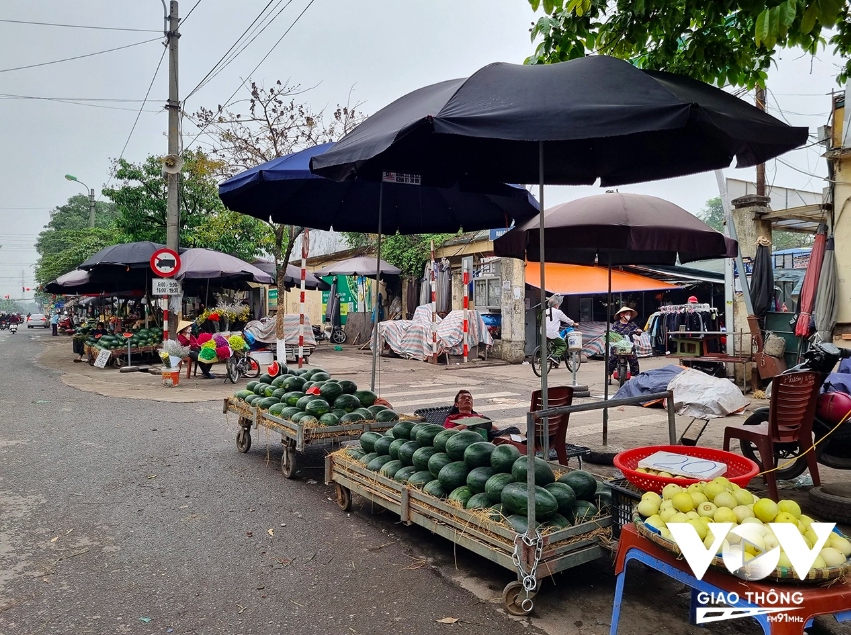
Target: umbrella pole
377, 277
606, 358
305, 246
530, 421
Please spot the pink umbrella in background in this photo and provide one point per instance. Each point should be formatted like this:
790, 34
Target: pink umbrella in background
808, 288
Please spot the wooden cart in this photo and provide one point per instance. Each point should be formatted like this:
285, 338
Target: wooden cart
294, 436
560, 550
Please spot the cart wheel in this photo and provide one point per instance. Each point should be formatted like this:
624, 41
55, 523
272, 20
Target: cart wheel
514, 599
288, 461
243, 440
343, 496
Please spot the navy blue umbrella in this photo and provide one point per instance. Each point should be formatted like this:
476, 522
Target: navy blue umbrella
285, 191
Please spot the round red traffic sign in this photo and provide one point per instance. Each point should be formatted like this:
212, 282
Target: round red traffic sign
165, 262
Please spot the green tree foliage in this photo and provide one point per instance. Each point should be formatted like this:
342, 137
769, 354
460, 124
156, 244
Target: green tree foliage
67, 240
720, 42
713, 214
62, 251
140, 199
409, 252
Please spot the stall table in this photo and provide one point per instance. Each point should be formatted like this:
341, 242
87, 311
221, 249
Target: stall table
817, 600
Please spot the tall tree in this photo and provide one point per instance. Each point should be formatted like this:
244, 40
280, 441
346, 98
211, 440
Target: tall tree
67, 240
268, 124
720, 42
141, 201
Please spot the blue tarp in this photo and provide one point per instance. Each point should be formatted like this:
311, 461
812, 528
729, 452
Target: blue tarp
840, 381
650, 381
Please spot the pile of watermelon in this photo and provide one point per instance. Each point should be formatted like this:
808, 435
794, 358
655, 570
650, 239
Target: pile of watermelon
312, 398
139, 338
474, 474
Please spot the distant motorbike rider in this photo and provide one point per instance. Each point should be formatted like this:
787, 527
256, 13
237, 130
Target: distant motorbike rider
554, 317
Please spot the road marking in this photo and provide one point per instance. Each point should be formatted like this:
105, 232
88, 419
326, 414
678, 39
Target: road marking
588, 428
451, 394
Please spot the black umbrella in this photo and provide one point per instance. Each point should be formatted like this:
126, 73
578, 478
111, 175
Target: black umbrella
762, 280
570, 123
134, 255
285, 191
358, 266
615, 228
589, 118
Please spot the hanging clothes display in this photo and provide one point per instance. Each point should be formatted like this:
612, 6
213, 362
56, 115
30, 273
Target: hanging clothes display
686, 318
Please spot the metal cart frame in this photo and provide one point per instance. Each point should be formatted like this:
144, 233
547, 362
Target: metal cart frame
560, 550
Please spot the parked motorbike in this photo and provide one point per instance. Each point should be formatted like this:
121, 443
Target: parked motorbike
833, 447
335, 334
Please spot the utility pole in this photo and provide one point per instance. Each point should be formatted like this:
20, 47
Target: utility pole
173, 105
92, 207
760, 169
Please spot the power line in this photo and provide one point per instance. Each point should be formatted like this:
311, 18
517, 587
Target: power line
236, 54
274, 46
109, 99
138, 114
83, 26
186, 17
234, 45
73, 102
77, 57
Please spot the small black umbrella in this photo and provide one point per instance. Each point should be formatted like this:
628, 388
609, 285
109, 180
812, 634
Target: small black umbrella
134, 255
615, 228
762, 280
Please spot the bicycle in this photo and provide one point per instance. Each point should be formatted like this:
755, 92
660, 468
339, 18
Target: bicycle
572, 359
241, 364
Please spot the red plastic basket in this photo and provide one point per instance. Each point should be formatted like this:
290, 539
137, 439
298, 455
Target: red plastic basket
740, 470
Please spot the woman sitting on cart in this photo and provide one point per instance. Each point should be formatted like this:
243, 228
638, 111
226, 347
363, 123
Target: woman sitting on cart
626, 326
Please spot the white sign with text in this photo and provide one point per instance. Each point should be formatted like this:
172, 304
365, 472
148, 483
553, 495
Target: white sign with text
165, 286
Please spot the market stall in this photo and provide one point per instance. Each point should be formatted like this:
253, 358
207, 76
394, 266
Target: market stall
764, 559
307, 407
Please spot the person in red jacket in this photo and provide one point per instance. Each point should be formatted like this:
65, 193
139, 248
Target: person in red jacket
461, 409
185, 337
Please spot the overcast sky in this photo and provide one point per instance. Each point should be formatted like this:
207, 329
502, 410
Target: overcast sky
377, 49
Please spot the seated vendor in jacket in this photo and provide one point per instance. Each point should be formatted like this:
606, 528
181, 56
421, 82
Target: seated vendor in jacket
463, 409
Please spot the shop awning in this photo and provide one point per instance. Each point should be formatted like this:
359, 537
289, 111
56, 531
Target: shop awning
585, 280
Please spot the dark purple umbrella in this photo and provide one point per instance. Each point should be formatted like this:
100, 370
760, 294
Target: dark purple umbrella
613, 229
207, 264
359, 266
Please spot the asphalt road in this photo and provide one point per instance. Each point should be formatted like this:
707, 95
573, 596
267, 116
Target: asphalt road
129, 516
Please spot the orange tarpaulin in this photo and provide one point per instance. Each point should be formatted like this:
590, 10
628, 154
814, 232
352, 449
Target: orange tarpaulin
586, 280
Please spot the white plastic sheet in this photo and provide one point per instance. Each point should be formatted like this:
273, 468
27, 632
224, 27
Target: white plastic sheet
697, 394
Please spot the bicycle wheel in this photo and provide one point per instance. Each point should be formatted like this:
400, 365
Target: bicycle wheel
338, 336
536, 361
572, 361
250, 368
232, 369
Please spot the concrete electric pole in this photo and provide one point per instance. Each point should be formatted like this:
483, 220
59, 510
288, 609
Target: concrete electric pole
173, 175
91, 207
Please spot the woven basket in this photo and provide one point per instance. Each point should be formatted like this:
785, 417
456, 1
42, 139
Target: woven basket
781, 574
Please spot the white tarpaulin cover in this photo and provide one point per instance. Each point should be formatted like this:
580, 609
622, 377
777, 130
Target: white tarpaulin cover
412, 338
697, 394
264, 331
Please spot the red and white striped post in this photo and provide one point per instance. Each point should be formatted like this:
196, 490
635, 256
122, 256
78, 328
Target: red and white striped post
305, 245
466, 278
165, 320
433, 307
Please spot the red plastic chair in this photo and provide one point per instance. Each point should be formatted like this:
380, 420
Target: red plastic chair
558, 396
790, 420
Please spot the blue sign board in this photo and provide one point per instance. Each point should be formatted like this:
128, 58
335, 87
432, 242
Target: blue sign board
496, 233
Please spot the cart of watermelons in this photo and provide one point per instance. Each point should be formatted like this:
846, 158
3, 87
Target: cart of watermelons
307, 406
475, 494
143, 344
